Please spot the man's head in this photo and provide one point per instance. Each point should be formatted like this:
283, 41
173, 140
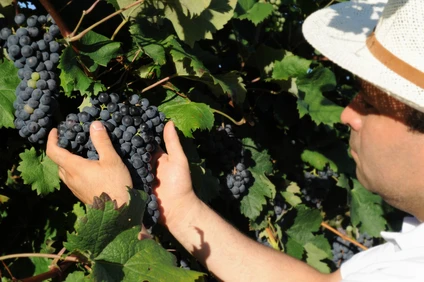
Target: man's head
382, 42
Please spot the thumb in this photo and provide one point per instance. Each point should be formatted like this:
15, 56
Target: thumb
101, 141
172, 142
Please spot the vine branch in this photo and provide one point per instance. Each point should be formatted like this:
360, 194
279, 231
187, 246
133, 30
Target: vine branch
240, 122
84, 32
84, 13
343, 236
52, 256
56, 17
158, 83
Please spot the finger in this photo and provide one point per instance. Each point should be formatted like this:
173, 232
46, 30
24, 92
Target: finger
60, 156
102, 142
172, 142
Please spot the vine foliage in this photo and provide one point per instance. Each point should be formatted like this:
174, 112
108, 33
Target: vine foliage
206, 64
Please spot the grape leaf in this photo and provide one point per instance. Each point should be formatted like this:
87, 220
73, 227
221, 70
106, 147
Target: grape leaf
190, 30
257, 13
290, 194
314, 257
39, 171
5, 3
261, 158
366, 209
129, 13
190, 8
306, 222
187, 116
8, 82
205, 184
103, 222
317, 159
151, 41
252, 204
312, 102
294, 249
265, 57
229, 84
76, 276
290, 66
243, 6
73, 78
99, 48
128, 259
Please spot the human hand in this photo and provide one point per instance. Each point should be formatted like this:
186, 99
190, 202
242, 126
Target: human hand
173, 181
89, 178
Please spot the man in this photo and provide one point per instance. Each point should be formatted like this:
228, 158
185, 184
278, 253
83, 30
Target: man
386, 143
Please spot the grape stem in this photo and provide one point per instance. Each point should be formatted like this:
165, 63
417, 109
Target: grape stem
84, 13
8, 271
344, 237
158, 83
124, 21
56, 17
54, 262
52, 256
54, 272
84, 32
240, 122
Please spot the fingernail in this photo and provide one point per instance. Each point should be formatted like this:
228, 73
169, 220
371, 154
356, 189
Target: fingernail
97, 125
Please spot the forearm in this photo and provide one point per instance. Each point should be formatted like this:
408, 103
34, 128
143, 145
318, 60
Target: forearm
231, 256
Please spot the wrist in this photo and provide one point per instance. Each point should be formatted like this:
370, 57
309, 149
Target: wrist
183, 213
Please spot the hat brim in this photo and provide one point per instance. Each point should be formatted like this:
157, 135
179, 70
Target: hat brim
340, 31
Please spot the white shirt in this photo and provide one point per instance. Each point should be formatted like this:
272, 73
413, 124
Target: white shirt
400, 259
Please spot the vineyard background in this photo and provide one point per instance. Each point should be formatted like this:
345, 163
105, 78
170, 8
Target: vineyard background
205, 64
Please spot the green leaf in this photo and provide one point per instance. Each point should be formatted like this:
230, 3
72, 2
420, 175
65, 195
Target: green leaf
99, 48
294, 249
212, 19
229, 84
5, 3
103, 222
261, 158
73, 78
153, 42
290, 66
258, 13
188, 116
314, 257
128, 259
39, 171
290, 194
8, 82
205, 184
252, 204
265, 57
306, 222
312, 102
317, 159
129, 13
76, 276
366, 210
190, 8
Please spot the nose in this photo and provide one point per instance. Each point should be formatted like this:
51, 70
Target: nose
351, 118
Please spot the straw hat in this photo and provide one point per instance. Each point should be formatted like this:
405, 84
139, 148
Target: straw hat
391, 57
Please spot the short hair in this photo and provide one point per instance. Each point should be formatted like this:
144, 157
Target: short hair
412, 118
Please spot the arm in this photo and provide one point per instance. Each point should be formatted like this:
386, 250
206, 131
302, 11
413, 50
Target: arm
226, 252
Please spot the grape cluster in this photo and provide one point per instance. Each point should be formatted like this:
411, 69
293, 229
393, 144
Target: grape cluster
226, 152
277, 18
134, 127
343, 250
35, 53
317, 185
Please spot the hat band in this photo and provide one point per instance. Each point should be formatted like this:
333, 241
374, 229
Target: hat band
392, 62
